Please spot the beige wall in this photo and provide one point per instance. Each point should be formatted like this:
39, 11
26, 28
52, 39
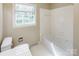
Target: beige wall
58, 5
30, 34
1, 23
76, 29
7, 20
44, 5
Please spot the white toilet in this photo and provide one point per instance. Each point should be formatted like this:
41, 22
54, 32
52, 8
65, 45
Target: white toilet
6, 44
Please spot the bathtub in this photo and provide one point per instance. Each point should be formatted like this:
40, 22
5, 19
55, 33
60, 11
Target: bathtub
46, 41
54, 49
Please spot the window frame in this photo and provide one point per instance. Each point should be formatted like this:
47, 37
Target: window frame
14, 17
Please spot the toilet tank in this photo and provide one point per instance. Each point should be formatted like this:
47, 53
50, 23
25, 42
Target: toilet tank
6, 44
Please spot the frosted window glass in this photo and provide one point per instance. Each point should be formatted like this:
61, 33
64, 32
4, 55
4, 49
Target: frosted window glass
25, 15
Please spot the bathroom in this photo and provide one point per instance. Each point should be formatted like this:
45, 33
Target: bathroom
54, 31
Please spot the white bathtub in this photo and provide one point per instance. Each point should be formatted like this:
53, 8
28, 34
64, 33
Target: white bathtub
48, 44
55, 50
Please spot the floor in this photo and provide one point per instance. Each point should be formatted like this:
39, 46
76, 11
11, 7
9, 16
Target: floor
40, 50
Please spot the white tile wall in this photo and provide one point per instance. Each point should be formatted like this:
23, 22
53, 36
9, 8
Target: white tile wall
63, 27
58, 23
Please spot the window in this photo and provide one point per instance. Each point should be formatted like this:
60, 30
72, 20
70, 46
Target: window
24, 15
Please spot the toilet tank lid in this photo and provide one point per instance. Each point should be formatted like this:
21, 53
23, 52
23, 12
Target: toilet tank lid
7, 41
